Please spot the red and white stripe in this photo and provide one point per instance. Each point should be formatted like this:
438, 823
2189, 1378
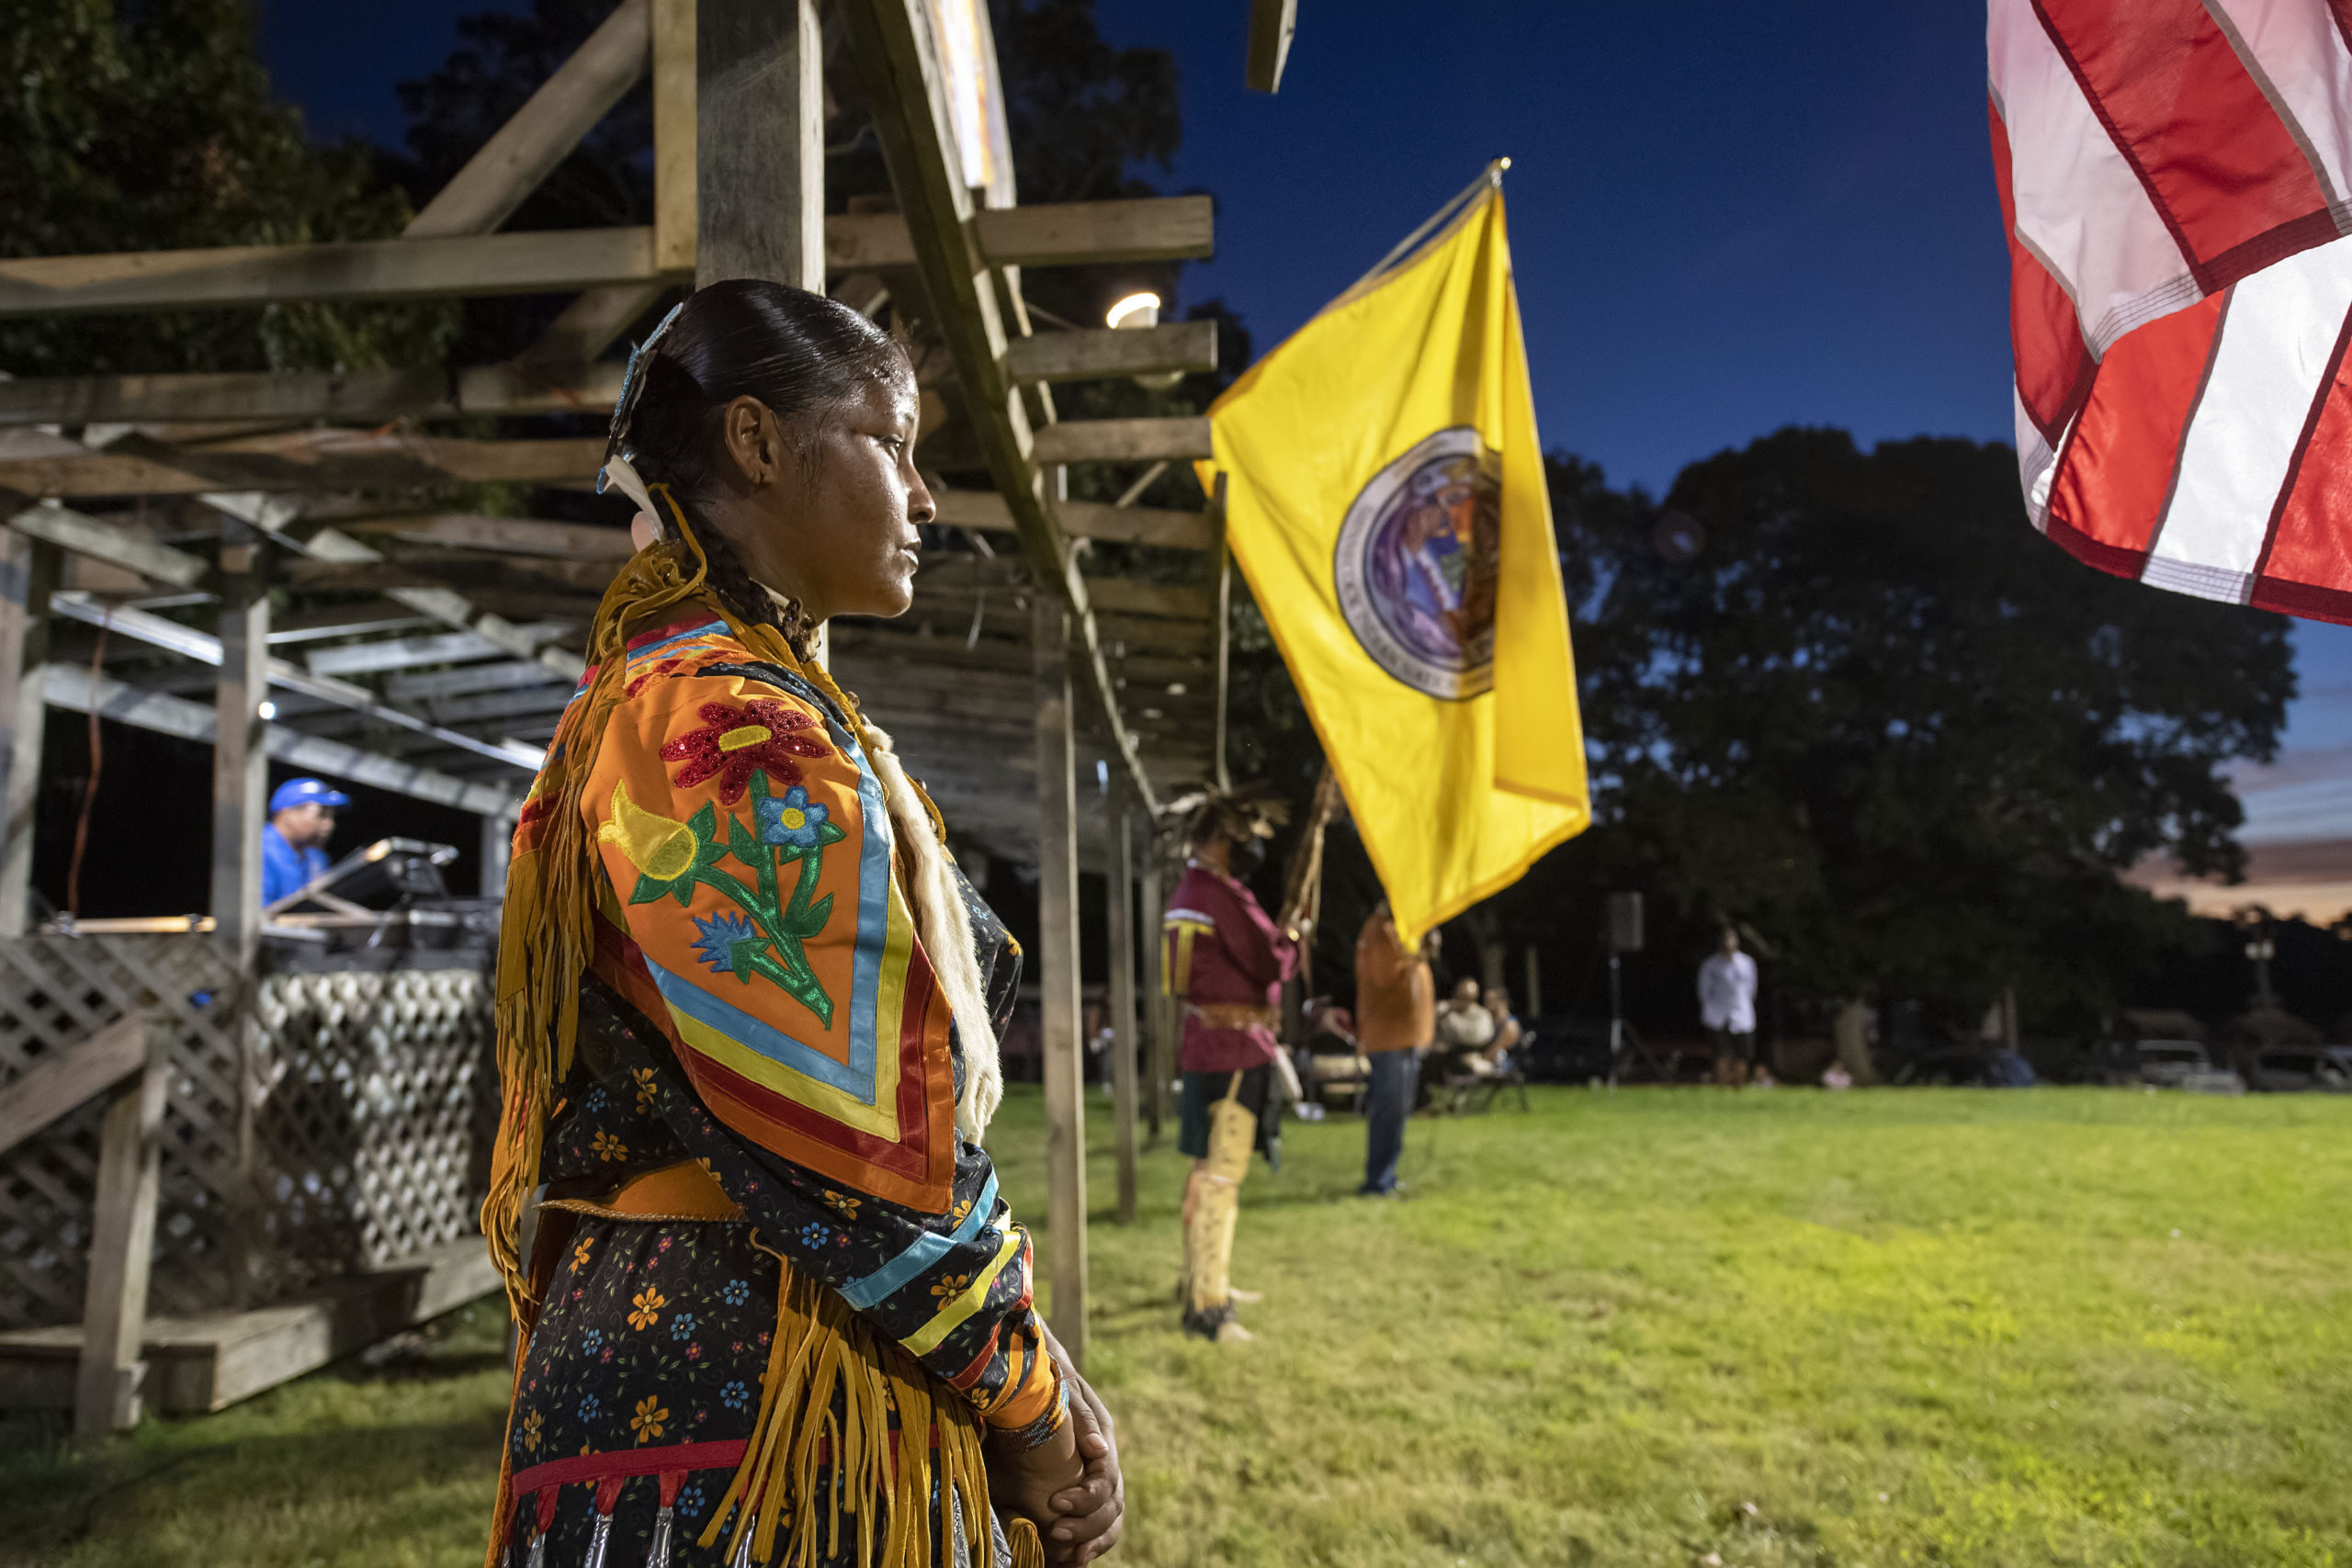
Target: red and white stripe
2174, 178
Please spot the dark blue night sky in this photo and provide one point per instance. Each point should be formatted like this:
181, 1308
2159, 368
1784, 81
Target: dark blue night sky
1726, 217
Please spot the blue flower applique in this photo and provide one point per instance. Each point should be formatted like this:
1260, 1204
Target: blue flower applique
682, 1325
729, 944
735, 1396
814, 1236
588, 1406
735, 1292
593, 1340
790, 819
691, 1502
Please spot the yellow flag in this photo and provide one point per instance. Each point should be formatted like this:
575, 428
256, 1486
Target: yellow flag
1385, 497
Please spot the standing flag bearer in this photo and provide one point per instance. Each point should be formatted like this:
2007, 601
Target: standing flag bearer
1385, 496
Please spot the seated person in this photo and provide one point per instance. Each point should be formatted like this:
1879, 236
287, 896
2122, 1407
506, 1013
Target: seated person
1466, 1030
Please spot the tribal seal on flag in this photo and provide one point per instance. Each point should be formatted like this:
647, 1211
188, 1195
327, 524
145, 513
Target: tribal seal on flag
1417, 561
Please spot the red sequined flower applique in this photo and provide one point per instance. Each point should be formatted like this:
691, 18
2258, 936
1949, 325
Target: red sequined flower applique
734, 741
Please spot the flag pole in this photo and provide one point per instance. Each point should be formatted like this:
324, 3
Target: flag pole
1490, 178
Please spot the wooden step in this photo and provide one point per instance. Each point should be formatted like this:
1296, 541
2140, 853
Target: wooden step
199, 1364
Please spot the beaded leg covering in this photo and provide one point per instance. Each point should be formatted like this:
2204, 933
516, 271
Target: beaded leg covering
1216, 1204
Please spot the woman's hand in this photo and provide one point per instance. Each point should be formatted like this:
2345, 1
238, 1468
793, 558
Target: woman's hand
1025, 1481
1091, 1513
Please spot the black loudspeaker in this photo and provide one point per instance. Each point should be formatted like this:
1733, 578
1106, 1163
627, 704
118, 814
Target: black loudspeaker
1625, 922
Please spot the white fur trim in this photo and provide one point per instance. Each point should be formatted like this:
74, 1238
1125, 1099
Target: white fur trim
945, 928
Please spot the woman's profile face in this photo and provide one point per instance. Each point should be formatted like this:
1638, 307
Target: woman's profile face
828, 505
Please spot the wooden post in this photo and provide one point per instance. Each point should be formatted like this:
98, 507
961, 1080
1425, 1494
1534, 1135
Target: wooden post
240, 757
1530, 1006
122, 1248
1157, 1037
1121, 902
760, 143
29, 575
1057, 977
674, 29
497, 839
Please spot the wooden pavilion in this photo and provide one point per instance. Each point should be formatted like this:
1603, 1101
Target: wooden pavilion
273, 567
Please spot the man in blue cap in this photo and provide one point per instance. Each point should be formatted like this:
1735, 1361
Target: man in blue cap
293, 847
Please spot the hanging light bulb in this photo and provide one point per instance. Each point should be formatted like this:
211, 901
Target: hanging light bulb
1142, 311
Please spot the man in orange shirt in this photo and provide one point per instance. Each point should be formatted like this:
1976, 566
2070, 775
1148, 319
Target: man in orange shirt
1395, 1021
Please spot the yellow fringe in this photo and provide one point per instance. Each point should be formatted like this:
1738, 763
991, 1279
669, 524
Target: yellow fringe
809, 1465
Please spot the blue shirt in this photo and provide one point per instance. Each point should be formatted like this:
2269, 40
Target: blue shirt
284, 868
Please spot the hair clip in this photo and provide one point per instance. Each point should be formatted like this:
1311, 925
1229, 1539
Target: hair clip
633, 380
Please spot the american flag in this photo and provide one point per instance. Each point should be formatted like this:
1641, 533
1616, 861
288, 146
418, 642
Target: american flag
2174, 178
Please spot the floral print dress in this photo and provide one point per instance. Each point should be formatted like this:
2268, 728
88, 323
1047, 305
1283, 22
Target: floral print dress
764, 1090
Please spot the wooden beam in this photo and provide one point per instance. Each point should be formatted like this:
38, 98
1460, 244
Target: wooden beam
1101, 353
1120, 884
1271, 22
61, 1081
469, 679
558, 261
1082, 519
506, 536
400, 653
1224, 638
675, 134
240, 748
30, 570
107, 542
71, 686
760, 148
1065, 1054
1124, 440
123, 1242
305, 461
892, 42
524, 151
541, 261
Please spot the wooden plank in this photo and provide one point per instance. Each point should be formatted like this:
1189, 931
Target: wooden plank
309, 461
122, 1245
59, 1084
1124, 440
1104, 352
199, 1365
1082, 519
104, 541
71, 686
1271, 23
1224, 638
268, 397
1075, 234
521, 153
1065, 1054
541, 261
589, 324
507, 535
29, 572
675, 134
1120, 886
239, 749
760, 148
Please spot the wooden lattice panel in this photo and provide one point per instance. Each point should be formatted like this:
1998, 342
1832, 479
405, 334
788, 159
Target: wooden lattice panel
362, 1141
377, 1101
56, 991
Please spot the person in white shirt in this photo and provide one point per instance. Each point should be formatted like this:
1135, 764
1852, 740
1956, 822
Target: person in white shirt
1727, 1008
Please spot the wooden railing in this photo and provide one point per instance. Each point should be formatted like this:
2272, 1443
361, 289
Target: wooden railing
125, 1060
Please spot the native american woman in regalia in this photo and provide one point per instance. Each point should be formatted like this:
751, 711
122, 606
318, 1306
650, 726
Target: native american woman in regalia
772, 1306
1225, 961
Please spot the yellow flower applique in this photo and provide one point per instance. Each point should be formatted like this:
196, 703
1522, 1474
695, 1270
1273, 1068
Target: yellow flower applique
843, 1204
647, 1422
580, 1255
531, 1432
949, 1287
647, 1088
609, 1148
650, 1303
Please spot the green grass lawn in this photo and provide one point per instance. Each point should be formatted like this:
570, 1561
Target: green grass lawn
1681, 1327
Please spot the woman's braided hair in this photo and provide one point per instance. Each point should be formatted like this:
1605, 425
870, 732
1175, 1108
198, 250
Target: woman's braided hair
800, 354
